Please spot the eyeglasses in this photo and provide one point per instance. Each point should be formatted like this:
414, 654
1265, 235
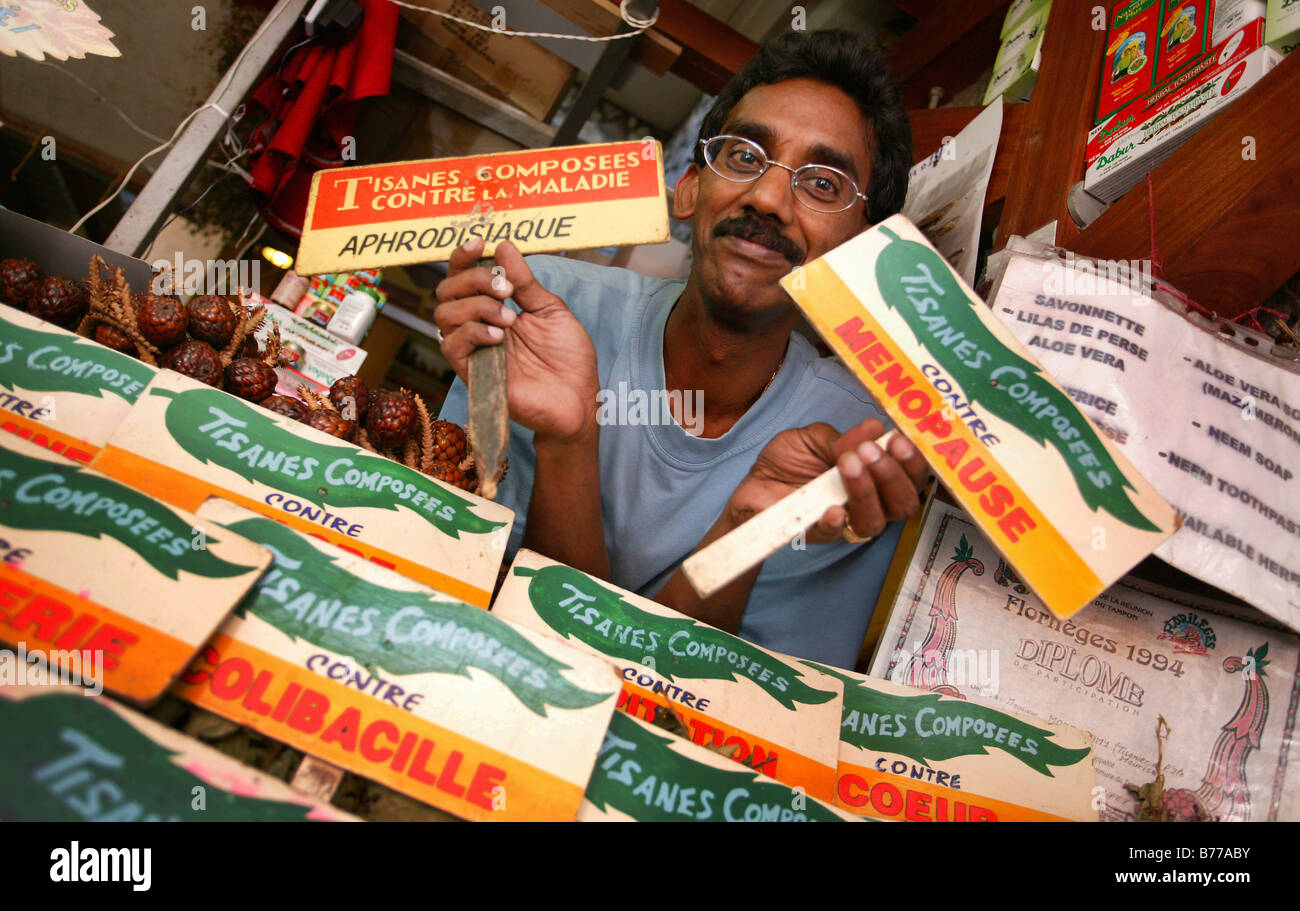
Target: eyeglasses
819, 187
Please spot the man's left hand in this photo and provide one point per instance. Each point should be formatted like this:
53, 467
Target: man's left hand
883, 484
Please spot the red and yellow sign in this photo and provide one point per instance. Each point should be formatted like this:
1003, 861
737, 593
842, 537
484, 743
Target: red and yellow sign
373, 738
542, 200
1056, 497
106, 583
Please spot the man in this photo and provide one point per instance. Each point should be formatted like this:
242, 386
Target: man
806, 147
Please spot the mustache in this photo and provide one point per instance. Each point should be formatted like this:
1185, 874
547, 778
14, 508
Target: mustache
757, 231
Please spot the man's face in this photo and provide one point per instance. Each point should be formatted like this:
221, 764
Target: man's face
748, 235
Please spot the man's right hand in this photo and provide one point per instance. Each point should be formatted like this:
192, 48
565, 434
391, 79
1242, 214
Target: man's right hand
550, 360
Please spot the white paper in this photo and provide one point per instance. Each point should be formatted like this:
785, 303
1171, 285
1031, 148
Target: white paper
945, 192
1227, 687
1214, 428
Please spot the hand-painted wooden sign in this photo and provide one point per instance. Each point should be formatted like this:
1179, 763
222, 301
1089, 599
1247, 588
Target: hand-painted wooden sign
108, 584
779, 714
86, 759
908, 754
420, 692
185, 441
60, 391
647, 775
1052, 493
541, 200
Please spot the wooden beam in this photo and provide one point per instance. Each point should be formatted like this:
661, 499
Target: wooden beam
712, 52
653, 50
474, 103
951, 48
929, 127
1225, 225
1049, 159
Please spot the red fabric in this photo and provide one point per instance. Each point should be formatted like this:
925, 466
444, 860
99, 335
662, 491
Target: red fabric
310, 108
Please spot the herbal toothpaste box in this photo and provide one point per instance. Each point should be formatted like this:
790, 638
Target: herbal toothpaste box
645, 774
1120, 159
184, 441
1016, 14
908, 753
61, 391
421, 692
1156, 46
1283, 30
778, 714
107, 584
90, 759
1018, 59
1223, 679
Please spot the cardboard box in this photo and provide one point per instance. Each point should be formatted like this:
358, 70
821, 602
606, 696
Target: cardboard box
910, 754
360, 666
1121, 158
61, 391
71, 758
1132, 42
107, 583
1224, 678
1016, 66
644, 774
1282, 33
775, 711
1190, 37
60, 253
1016, 14
515, 69
184, 441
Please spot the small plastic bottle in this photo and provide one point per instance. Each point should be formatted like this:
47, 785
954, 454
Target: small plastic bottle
354, 317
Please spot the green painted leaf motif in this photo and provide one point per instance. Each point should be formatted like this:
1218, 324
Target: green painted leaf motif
307, 595
577, 607
963, 551
219, 429
50, 362
71, 743
47, 496
915, 281
919, 728
638, 773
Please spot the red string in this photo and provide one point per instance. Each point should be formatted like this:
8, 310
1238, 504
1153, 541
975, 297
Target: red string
1157, 268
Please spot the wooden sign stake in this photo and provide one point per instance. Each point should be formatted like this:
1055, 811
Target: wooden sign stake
744, 547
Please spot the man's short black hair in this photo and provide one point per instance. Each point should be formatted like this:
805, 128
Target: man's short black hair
844, 60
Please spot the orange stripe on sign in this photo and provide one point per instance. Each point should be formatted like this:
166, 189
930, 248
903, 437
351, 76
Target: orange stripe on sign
380, 741
139, 661
71, 448
883, 795
1001, 509
773, 760
188, 492
441, 188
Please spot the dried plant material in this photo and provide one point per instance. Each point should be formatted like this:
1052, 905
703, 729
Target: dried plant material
1152, 797
426, 435
411, 453
364, 441
111, 305
249, 321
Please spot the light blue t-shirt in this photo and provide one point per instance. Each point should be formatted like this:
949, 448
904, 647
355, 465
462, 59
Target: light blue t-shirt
662, 488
